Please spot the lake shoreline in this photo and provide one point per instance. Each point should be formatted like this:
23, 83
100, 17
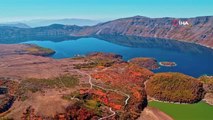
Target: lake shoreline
196, 111
210, 47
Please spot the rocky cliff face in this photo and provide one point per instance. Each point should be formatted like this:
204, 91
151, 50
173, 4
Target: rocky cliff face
196, 30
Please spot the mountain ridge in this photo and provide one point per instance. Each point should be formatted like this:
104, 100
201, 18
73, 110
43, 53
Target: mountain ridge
198, 31
64, 21
194, 30
19, 25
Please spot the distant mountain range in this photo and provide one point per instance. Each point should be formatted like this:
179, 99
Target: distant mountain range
196, 30
67, 21
47, 22
19, 25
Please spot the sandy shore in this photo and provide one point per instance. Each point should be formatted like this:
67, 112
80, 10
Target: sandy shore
150, 113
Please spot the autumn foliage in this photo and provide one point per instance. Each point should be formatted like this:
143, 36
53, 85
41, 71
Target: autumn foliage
128, 78
175, 87
149, 63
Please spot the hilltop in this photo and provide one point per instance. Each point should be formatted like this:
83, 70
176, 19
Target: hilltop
175, 87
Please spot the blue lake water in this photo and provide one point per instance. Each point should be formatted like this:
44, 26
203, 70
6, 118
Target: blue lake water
193, 60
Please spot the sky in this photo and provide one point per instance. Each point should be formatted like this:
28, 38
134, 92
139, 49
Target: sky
16, 10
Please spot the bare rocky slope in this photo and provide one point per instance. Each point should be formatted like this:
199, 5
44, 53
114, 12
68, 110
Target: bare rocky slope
199, 29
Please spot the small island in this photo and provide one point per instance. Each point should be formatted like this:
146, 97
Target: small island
167, 64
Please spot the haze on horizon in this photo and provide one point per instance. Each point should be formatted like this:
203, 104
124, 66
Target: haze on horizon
19, 10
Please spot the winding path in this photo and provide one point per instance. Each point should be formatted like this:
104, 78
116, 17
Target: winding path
113, 113
119, 92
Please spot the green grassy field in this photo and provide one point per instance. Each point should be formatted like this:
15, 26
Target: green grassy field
198, 111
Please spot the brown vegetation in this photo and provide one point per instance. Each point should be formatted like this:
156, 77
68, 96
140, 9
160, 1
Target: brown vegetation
208, 83
175, 87
77, 112
37, 50
208, 87
149, 63
7, 91
34, 85
99, 60
24, 49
